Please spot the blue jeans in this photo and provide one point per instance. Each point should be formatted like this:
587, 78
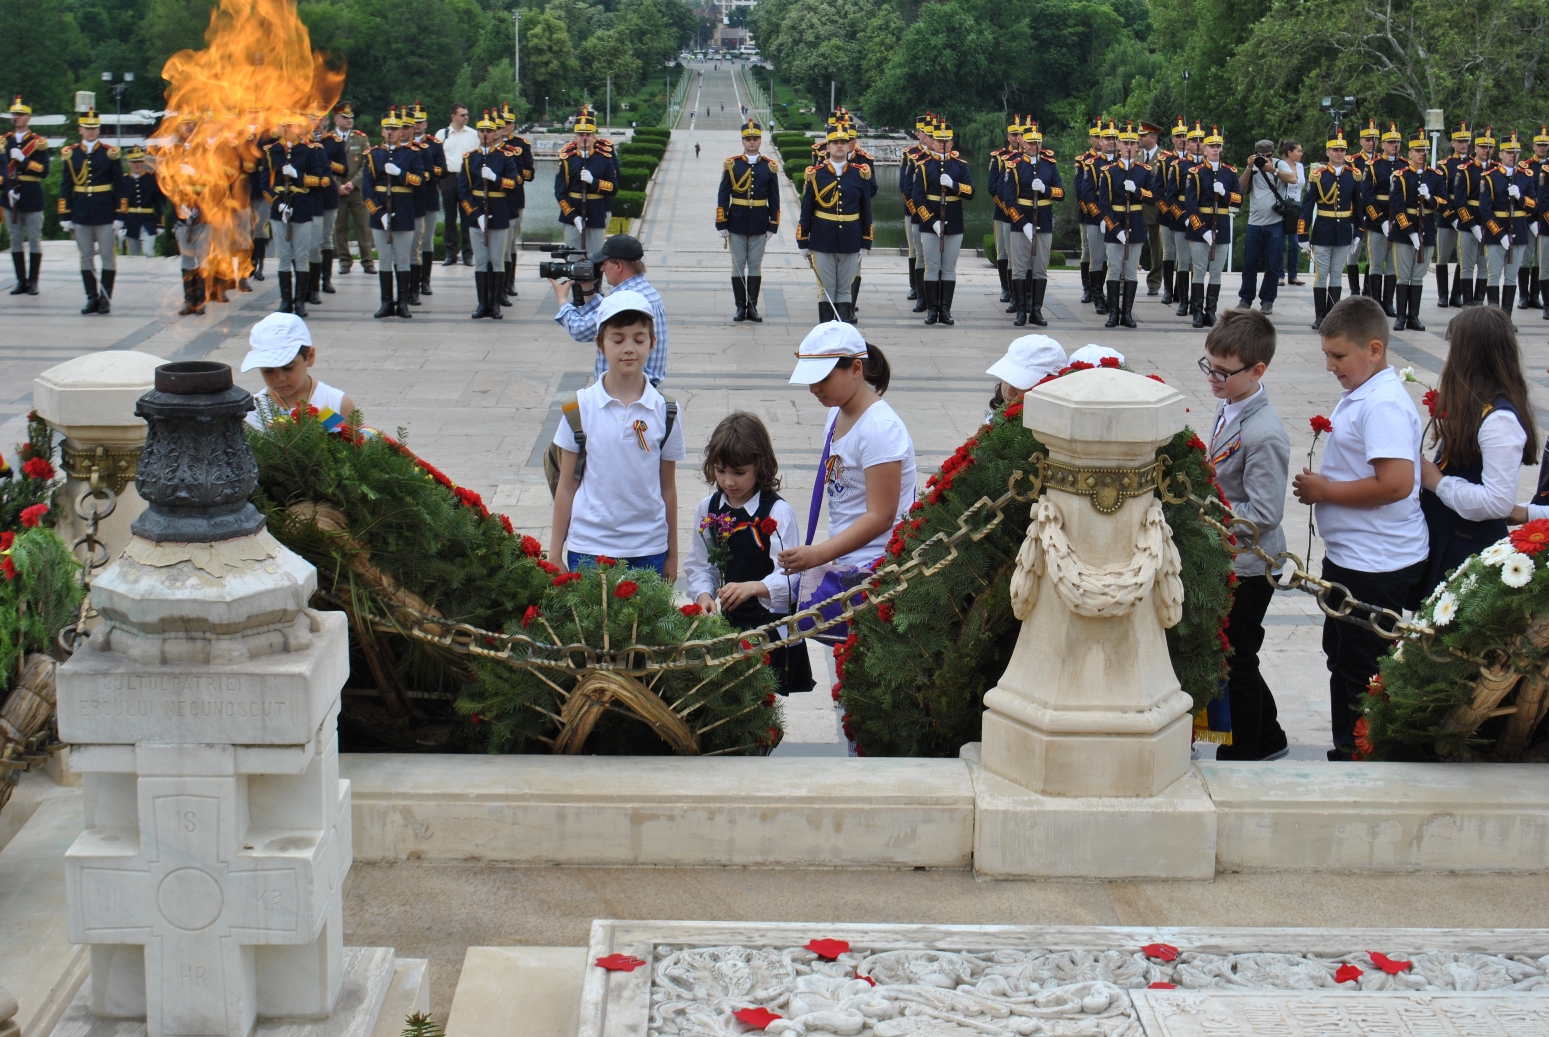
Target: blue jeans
1265, 247
575, 562
1292, 256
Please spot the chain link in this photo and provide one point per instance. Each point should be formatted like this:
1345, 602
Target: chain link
93, 505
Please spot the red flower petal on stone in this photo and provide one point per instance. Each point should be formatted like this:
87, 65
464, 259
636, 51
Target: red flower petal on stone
1163, 986
1157, 378
867, 979
1164, 951
828, 950
1389, 965
1347, 973
620, 963
759, 1017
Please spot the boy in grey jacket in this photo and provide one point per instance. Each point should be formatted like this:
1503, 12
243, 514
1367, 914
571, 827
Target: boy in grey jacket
1251, 453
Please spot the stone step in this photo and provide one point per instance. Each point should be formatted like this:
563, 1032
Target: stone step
518, 992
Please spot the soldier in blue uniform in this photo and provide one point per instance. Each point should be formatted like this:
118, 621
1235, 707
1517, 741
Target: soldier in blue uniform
835, 225
427, 202
1212, 196
585, 185
255, 167
298, 172
335, 147
1362, 161
392, 171
863, 162
747, 215
520, 150
1167, 221
912, 229
944, 183
1381, 278
1029, 187
999, 157
1092, 226
1416, 193
1177, 186
1504, 204
1326, 227
22, 169
1447, 244
1123, 188
91, 190
143, 203
326, 209
1539, 224
484, 184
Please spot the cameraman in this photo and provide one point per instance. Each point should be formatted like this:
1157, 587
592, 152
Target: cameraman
1267, 178
621, 261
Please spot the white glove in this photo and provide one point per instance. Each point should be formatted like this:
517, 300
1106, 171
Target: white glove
1220, 189
580, 224
724, 233
1129, 187
15, 197
1384, 228
118, 224
1210, 237
67, 226
946, 181
805, 252
1425, 191
1307, 247
290, 170
770, 236
587, 178
1038, 186
1123, 237
1506, 242
483, 221
120, 233
1027, 228
18, 154
1514, 191
187, 170
937, 228
488, 174
1415, 237
284, 211
1478, 233
391, 169
1533, 227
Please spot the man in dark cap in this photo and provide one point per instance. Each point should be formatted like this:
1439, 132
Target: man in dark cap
621, 262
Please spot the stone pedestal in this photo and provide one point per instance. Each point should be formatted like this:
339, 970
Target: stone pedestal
90, 401
203, 715
1089, 706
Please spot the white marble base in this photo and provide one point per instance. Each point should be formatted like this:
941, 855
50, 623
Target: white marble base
518, 992
1179, 1013
378, 992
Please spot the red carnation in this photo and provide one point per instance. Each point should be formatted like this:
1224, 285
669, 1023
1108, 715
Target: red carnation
626, 589
548, 566
564, 578
916, 506
38, 468
1046, 378
1157, 378
1376, 686
8, 568
605, 560
7, 538
476, 718
1363, 744
1078, 365
1015, 410
1195, 443
1109, 361
1429, 399
530, 547
33, 515
691, 609
885, 612
1320, 424
1530, 538
530, 615
768, 526
505, 523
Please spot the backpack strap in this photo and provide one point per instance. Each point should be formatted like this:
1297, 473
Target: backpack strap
570, 407
672, 418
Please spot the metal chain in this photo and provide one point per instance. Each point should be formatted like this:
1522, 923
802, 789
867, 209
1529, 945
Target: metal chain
91, 507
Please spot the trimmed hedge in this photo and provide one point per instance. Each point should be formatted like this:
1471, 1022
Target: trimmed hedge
989, 248
644, 162
633, 179
629, 203
632, 148
656, 133
796, 170
783, 139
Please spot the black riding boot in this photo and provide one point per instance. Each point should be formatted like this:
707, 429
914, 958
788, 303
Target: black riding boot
1414, 309
1389, 286
914, 289
1099, 290
1534, 301
1319, 307
89, 279
1212, 295
1457, 295
1333, 295
507, 283
932, 296
1168, 266
105, 297
920, 305
1441, 285
1492, 295
1019, 301
260, 249
299, 296
19, 261
1480, 283
855, 296
825, 311
385, 280
1127, 291
1035, 304
1401, 301
1003, 266
1112, 288
1181, 294
739, 294
481, 285
494, 283
1086, 282
287, 298
1353, 275
328, 257
405, 291
1508, 297
1525, 288
314, 280
414, 285
948, 288
753, 286
1197, 304
427, 260
34, 265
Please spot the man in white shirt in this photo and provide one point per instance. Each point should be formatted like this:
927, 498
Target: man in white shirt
456, 140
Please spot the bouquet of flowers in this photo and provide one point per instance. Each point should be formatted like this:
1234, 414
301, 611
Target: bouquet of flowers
717, 531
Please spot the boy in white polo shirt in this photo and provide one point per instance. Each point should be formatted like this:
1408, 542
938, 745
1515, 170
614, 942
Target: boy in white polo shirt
624, 504
1366, 500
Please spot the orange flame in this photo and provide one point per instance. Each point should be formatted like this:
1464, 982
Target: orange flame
225, 102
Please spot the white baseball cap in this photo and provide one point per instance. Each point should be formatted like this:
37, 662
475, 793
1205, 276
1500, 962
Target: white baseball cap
823, 348
1028, 361
275, 341
626, 301
1093, 354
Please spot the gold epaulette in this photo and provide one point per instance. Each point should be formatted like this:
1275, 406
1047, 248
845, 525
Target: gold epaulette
730, 162
1228, 165
112, 152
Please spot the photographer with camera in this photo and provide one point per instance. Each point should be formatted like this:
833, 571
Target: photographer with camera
1267, 208
621, 262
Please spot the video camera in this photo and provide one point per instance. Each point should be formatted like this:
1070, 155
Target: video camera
568, 264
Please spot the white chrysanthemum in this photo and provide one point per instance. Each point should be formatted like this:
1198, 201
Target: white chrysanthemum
1398, 652
1445, 610
1468, 585
1407, 374
1497, 552
1517, 570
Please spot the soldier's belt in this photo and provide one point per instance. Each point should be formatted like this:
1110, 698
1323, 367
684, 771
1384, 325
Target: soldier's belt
837, 217
757, 203
1412, 212
282, 189
94, 189
488, 194
591, 196
30, 179
937, 198
141, 212
1125, 208
382, 188
1029, 201
1337, 214
1501, 214
1382, 197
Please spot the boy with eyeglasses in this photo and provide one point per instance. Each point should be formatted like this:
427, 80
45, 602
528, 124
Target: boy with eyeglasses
1252, 456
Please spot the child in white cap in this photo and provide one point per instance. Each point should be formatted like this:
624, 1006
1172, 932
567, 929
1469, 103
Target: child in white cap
280, 346
1028, 361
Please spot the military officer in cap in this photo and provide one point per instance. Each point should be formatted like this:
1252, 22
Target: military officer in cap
1327, 228
1504, 202
22, 169
1177, 190
1447, 222
427, 203
906, 168
1381, 280
1212, 197
585, 185
1002, 223
91, 192
484, 183
1539, 223
1097, 245
353, 215
1123, 186
1527, 275
1029, 187
1086, 211
1416, 193
520, 150
1161, 174
866, 165
393, 170
1362, 161
835, 226
1152, 154
747, 215
143, 203
1473, 261
319, 265
298, 172
944, 184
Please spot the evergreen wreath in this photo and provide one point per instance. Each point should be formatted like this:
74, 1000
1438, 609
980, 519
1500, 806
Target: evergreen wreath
1480, 692
914, 671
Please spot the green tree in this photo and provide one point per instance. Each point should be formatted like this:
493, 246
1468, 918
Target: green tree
548, 59
40, 39
933, 66
607, 54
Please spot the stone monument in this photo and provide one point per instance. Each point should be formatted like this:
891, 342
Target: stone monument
203, 713
1089, 715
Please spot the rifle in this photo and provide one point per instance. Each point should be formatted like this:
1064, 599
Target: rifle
489, 260
290, 198
1215, 216
941, 239
1130, 223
